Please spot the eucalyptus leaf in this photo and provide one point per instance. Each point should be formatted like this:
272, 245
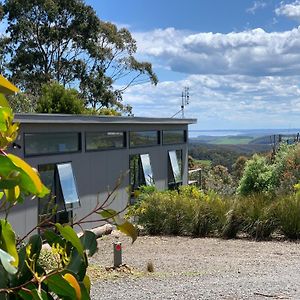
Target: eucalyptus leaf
8, 241
58, 285
89, 242
70, 235
6, 261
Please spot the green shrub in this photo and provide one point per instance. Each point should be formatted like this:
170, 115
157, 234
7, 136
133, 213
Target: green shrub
288, 214
258, 177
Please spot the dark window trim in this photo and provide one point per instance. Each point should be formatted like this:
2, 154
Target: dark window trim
79, 134
158, 134
174, 183
70, 205
179, 143
105, 149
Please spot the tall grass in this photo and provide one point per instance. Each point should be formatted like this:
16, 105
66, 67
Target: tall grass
189, 211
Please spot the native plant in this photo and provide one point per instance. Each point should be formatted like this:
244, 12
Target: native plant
22, 273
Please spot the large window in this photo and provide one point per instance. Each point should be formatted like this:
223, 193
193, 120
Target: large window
174, 137
144, 138
58, 205
140, 171
105, 140
175, 169
51, 143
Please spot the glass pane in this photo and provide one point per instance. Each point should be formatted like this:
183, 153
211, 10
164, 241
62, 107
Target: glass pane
143, 138
47, 203
174, 137
145, 158
51, 143
175, 166
68, 184
104, 140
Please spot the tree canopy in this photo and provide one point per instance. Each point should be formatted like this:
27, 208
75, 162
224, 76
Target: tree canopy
65, 41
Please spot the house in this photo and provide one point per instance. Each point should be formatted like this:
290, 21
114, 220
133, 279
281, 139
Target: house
81, 158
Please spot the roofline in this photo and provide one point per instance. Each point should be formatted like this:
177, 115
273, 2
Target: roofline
91, 119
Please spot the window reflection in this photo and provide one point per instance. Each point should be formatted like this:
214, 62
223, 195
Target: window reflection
68, 185
175, 168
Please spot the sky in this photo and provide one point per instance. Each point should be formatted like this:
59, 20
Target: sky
239, 58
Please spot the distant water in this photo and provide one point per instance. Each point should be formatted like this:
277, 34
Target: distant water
243, 132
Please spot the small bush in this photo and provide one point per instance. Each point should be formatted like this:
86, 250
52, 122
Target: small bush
288, 214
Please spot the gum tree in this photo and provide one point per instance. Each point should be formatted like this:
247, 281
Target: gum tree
66, 42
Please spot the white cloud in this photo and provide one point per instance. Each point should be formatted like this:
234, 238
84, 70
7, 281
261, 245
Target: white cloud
252, 52
290, 10
256, 5
224, 101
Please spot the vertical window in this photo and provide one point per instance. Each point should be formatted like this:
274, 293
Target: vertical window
63, 197
140, 171
175, 168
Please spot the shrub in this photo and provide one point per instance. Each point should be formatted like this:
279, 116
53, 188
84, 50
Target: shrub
288, 212
258, 177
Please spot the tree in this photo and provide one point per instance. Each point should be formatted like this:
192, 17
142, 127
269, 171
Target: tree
59, 100
22, 103
65, 41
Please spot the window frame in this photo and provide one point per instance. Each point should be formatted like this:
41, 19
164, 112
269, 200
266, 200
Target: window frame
140, 164
108, 148
158, 139
79, 143
56, 192
174, 183
174, 130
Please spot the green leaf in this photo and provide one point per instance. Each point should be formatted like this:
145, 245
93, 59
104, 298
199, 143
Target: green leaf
6, 261
87, 283
33, 294
9, 183
58, 285
108, 213
78, 264
27, 184
3, 278
70, 235
122, 224
89, 242
28, 170
3, 101
128, 229
35, 243
8, 241
85, 293
52, 238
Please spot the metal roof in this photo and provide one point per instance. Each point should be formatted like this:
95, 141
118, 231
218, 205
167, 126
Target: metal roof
90, 119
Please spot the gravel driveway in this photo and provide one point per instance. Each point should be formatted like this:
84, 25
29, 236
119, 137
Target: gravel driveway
208, 268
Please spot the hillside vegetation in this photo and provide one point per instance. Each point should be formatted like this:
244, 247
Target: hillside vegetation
259, 197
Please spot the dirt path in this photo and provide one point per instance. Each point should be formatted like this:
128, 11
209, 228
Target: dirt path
209, 268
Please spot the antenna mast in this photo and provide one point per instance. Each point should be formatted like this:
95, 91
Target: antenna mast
185, 100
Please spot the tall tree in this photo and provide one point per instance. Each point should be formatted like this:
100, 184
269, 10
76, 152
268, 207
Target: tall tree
65, 41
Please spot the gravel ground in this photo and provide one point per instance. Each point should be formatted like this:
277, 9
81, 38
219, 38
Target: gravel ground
186, 268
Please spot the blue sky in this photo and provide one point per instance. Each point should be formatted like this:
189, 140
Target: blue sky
240, 59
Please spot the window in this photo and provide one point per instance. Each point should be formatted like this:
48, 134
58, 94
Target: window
174, 137
175, 169
105, 140
58, 205
51, 143
144, 138
140, 171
